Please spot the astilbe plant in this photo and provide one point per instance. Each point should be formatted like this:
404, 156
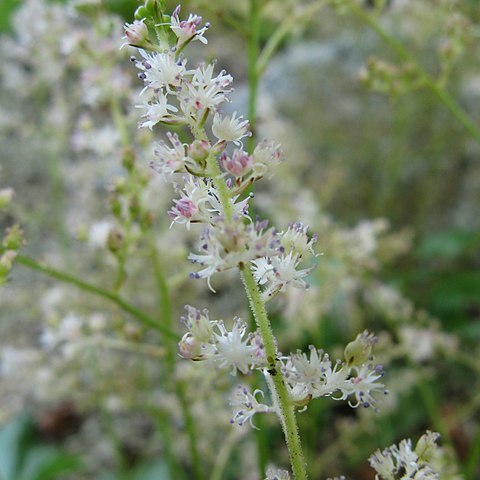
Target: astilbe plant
211, 174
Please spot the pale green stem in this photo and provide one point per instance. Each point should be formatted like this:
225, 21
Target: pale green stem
141, 316
220, 186
279, 389
449, 102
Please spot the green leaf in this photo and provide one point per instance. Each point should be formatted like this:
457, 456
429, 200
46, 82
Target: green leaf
15, 439
22, 457
46, 463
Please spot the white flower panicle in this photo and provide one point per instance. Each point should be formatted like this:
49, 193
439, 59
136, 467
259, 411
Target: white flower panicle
176, 95
402, 461
317, 376
211, 172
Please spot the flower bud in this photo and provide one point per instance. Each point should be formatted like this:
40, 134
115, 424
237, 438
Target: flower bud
199, 150
426, 446
116, 206
137, 35
14, 239
358, 351
239, 164
115, 240
189, 347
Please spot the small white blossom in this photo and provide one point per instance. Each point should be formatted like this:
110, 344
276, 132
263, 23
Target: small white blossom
186, 30
363, 384
232, 351
265, 156
230, 129
162, 70
246, 406
157, 109
276, 474
204, 91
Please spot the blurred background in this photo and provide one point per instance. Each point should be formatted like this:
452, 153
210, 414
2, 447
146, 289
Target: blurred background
377, 110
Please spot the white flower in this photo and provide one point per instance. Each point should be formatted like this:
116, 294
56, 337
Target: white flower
230, 129
363, 385
186, 30
161, 70
284, 272
265, 156
296, 240
192, 206
205, 91
247, 406
262, 270
172, 159
312, 377
232, 351
198, 323
276, 474
157, 110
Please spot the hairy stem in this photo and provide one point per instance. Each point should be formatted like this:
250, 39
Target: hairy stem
280, 392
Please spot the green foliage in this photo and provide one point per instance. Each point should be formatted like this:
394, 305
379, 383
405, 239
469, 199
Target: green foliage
6, 9
24, 457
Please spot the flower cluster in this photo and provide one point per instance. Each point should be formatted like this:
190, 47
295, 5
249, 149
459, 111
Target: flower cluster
402, 461
355, 379
212, 171
211, 340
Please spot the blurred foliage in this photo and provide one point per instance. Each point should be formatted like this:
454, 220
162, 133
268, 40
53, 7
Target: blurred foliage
25, 456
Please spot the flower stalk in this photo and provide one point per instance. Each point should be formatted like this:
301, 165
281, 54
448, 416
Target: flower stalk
286, 410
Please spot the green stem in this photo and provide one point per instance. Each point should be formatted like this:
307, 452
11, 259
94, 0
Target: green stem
220, 185
98, 291
280, 392
449, 102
